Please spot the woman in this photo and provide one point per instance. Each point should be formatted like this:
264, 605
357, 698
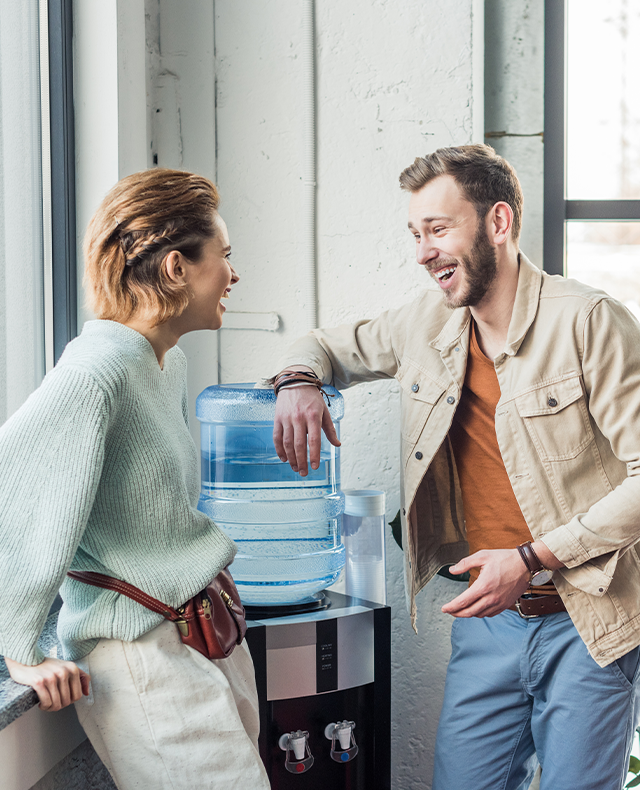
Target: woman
98, 472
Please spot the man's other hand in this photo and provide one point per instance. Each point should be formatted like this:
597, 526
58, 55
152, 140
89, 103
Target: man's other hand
301, 416
503, 579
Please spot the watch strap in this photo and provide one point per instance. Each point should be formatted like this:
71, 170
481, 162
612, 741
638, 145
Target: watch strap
530, 558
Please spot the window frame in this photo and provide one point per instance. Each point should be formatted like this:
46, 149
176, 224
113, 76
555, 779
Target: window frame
558, 210
62, 194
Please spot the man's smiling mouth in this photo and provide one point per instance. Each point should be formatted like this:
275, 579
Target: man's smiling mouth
445, 274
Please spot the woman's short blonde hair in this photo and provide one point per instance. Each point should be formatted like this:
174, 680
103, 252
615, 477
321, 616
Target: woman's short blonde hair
141, 220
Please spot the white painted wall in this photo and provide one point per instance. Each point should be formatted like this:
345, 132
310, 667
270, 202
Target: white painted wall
395, 79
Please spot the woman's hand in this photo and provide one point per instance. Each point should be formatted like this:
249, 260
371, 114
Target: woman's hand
301, 416
57, 683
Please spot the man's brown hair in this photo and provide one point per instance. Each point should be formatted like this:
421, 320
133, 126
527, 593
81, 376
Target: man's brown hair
484, 177
141, 220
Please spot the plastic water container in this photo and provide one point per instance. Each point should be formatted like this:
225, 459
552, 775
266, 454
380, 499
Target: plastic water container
363, 538
287, 527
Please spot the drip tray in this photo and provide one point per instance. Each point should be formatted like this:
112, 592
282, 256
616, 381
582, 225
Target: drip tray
314, 603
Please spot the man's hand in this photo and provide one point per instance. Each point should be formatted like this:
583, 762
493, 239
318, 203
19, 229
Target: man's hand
502, 580
57, 683
301, 416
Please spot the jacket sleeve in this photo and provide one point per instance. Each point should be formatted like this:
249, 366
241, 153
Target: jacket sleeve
611, 372
348, 354
51, 456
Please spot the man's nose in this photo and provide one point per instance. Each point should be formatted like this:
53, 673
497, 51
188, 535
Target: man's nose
426, 251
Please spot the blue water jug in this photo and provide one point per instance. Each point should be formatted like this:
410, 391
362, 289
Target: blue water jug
287, 527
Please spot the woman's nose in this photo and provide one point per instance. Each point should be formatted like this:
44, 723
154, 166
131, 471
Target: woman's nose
234, 275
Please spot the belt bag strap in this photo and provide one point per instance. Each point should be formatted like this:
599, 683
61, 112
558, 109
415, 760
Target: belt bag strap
109, 583
212, 622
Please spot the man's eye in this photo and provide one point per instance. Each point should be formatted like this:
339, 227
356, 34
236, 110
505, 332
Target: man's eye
438, 230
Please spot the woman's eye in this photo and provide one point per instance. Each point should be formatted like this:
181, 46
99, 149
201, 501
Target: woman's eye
228, 256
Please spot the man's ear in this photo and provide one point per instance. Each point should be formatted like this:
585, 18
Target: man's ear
500, 222
175, 267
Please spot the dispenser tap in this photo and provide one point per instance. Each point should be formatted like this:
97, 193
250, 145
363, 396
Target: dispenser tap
343, 731
298, 742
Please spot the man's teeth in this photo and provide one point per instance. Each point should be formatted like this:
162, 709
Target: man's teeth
444, 274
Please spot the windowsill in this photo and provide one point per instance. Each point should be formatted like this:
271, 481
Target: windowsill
14, 698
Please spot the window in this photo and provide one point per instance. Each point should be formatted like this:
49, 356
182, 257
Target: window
37, 206
22, 358
592, 145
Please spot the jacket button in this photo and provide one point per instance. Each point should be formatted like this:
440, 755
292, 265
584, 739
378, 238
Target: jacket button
415, 388
552, 402
419, 455
600, 589
451, 399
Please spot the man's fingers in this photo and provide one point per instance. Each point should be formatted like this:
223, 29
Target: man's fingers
315, 444
300, 445
329, 428
277, 440
289, 448
467, 563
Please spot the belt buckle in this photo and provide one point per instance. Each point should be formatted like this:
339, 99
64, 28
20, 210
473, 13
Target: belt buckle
523, 615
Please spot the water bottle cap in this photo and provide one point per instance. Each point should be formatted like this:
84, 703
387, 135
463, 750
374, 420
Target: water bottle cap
364, 502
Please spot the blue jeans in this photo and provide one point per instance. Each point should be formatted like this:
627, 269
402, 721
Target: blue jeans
522, 691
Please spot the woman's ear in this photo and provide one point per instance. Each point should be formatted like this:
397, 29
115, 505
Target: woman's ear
175, 267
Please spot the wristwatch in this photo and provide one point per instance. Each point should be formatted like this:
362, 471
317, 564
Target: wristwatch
539, 574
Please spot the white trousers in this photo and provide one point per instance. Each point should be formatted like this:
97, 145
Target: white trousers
161, 716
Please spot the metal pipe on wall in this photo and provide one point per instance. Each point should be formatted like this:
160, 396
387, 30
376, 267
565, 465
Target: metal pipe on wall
308, 277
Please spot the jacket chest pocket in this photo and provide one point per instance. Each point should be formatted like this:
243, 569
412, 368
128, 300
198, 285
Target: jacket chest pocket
557, 419
419, 394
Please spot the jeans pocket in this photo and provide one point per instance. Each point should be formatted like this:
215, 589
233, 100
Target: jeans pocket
628, 664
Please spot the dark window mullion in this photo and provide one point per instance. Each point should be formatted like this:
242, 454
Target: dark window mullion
554, 136
611, 210
63, 203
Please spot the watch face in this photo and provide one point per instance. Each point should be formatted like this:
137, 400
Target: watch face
541, 577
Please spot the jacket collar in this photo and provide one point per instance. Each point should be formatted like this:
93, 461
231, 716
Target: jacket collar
525, 308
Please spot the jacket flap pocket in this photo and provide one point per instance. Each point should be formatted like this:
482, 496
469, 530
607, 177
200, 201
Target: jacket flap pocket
550, 399
418, 386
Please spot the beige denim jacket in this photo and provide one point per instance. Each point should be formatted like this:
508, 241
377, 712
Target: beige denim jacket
568, 428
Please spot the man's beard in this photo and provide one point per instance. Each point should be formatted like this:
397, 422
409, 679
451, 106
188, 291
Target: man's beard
480, 267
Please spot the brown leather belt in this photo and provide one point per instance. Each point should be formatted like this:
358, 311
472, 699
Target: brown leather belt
529, 606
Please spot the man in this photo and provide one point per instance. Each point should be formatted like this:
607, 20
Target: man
521, 464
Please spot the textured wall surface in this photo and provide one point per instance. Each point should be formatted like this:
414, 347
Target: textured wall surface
514, 102
394, 81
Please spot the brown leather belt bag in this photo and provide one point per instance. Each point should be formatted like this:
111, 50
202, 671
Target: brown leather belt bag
212, 622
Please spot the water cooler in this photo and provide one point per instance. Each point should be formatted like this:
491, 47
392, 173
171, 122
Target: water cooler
322, 658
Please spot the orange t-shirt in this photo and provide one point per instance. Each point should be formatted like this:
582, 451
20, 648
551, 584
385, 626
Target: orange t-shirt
492, 514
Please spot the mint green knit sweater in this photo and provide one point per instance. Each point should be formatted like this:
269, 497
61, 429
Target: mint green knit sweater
98, 472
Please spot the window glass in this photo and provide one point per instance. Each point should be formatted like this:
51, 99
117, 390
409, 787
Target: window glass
606, 255
21, 246
603, 100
